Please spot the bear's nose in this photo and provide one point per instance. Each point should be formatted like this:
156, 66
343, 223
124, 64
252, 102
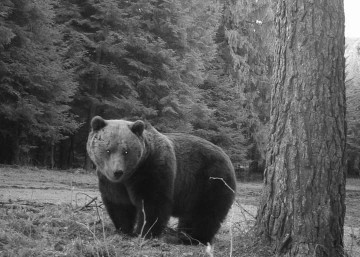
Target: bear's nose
118, 174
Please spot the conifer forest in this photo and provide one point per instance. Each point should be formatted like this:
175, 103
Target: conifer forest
199, 67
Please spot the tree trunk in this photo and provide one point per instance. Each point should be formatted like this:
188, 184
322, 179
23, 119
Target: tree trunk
63, 154
52, 155
16, 145
302, 207
93, 105
70, 158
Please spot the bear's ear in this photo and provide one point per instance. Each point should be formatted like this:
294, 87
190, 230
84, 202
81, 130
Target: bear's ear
138, 127
97, 123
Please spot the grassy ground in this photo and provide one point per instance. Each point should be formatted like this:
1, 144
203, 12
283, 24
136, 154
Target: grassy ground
45, 213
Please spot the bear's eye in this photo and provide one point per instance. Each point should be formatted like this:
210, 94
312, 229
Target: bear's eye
125, 152
108, 151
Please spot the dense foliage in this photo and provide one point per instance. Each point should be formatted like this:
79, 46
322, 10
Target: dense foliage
35, 88
200, 67
352, 54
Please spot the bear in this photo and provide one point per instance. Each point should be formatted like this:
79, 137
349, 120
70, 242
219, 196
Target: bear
145, 177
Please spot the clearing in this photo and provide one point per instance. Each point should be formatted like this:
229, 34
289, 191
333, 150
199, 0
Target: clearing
45, 213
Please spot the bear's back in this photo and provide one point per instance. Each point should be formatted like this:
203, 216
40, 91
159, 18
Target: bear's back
197, 161
196, 148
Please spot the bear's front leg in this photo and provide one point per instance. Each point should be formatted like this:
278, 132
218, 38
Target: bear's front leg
153, 217
122, 215
152, 191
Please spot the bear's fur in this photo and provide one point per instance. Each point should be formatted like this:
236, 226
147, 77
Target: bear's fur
146, 175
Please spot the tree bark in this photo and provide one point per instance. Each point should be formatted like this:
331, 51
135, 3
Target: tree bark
302, 207
16, 144
71, 155
52, 155
93, 105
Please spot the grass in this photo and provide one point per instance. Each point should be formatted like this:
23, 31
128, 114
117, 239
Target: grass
62, 230
34, 228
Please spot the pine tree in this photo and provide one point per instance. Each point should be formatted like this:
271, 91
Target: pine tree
139, 59
247, 64
34, 87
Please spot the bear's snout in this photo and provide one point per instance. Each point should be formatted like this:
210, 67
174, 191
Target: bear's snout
118, 174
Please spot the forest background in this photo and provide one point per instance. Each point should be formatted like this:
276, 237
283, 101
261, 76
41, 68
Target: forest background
200, 67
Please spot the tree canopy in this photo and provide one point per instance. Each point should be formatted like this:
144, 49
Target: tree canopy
200, 67
191, 66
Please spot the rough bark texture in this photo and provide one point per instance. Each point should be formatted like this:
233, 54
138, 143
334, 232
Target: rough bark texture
302, 207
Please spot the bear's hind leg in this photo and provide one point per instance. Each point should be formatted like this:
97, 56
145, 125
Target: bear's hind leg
207, 213
123, 216
198, 230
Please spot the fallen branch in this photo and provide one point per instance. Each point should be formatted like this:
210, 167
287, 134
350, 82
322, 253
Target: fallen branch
97, 211
81, 193
244, 210
232, 190
144, 222
189, 238
88, 204
141, 236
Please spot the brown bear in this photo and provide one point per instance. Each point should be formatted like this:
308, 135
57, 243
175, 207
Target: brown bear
147, 176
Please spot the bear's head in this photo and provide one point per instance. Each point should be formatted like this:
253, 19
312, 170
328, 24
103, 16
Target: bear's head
116, 147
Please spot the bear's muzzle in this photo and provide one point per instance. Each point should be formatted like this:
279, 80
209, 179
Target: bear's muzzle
118, 174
